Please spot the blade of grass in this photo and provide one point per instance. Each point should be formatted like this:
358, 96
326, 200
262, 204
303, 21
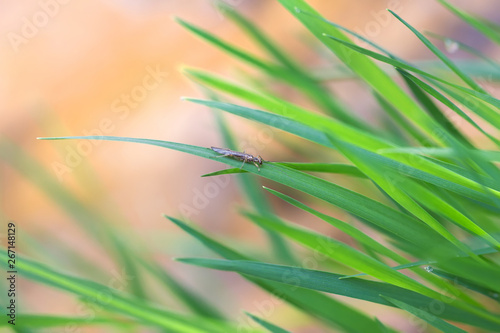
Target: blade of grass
466, 48
262, 40
468, 80
489, 155
363, 66
479, 252
485, 275
115, 301
369, 243
425, 315
405, 126
492, 34
305, 81
344, 254
249, 187
433, 109
400, 188
465, 283
267, 325
284, 108
476, 94
281, 73
356, 288
316, 304
337, 168
318, 136
343, 226
31, 321
195, 303
96, 224
402, 225
445, 122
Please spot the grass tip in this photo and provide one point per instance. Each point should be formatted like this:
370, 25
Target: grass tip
178, 19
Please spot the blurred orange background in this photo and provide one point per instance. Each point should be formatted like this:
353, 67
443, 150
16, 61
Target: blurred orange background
66, 69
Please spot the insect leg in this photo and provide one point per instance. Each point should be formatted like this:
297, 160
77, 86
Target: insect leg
244, 160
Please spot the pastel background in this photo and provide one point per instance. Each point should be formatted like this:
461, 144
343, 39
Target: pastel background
114, 67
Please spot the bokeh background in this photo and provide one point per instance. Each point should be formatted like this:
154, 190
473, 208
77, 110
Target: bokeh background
114, 67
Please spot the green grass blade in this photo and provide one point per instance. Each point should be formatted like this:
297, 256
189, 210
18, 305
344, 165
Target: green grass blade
427, 103
444, 121
482, 274
337, 168
318, 93
192, 301
267, 325
331, 283
266, 44
401, 225
305, 81
466, 48
31, 321
234, 51
316, 304
393, 166
465, 283
482, 251
468, 80
283, 108
114, 300
318, 135
399, 189
354, 232
250, 187
230, 171
96, 224
489, 155
478, 106
403, 124
479, 24
476, 94
376, 78
316, 132
344, 254
425, 315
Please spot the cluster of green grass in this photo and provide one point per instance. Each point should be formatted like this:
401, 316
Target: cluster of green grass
436, 205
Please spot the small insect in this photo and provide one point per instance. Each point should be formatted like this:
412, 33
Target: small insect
239, 156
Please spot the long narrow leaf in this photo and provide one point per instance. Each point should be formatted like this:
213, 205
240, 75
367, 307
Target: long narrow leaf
441, 55
316, 304
425, 315
356, 288
399, 224
115, 301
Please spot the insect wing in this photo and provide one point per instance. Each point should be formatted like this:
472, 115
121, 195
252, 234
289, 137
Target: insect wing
222, 151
